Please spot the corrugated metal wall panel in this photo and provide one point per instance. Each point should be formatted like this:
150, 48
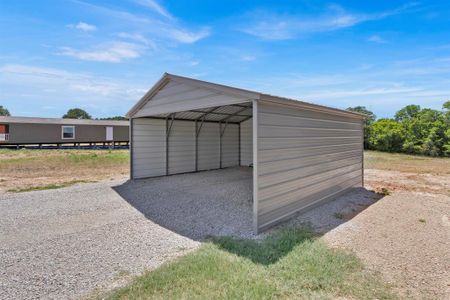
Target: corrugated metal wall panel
208, 146
304, 158
148, 148
230, 146
246, 143
182, 147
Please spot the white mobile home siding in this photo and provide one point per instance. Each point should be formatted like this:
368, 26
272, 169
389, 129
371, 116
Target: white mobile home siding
304, 158
148, 148
246, 143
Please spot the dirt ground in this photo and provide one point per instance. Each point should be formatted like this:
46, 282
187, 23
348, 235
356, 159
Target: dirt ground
23, 170
405, 236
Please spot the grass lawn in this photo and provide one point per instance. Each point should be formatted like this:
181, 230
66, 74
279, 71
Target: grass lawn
27, 170
289, 264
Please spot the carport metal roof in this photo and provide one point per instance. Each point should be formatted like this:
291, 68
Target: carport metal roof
228, 110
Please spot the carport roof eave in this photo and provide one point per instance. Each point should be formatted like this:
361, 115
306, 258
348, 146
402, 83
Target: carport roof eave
311, 106
246, 96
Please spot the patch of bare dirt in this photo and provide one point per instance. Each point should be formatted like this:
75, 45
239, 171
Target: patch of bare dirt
24, 169
405, 235
395, 181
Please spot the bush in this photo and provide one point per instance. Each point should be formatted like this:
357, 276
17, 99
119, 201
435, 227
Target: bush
386, 135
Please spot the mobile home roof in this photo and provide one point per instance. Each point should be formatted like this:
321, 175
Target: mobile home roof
34, 120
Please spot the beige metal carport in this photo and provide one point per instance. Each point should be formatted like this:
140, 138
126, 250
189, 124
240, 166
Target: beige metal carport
302, 154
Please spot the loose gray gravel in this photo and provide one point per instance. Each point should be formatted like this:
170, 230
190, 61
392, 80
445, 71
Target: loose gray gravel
67, 243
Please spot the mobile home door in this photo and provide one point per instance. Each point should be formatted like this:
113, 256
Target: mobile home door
109, 133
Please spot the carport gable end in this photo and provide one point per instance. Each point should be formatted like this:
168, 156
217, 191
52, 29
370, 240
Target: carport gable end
302, 154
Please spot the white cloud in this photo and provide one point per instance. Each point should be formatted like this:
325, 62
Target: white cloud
156, 7
137, 37
166, 28
83, 26
248, 58
363, 92
194, 63
113, 52
50, 83
186, 37
269, 26
376, 39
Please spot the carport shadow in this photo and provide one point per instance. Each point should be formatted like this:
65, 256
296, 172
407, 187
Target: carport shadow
219, 203
269, 250
196, 205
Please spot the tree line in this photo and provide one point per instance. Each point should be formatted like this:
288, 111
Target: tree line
413, 130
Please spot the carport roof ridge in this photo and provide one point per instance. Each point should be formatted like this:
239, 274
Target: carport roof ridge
248, 94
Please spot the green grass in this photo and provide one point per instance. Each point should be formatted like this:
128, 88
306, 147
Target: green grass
339, 216
290, 264
52, 186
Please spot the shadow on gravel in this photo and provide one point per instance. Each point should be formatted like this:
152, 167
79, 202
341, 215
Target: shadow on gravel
219, 203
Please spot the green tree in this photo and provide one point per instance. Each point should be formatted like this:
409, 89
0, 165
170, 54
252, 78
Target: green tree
446, 106
76, 113
407, 113
368, 121
386, 135
4, 111
425, 133
363, 110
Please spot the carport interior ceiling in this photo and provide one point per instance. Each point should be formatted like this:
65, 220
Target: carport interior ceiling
235, 113
302, 154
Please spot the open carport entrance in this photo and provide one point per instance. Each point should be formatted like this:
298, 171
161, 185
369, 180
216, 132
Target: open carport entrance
190, 141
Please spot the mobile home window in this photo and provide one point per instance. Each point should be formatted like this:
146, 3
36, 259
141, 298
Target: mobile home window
68, 132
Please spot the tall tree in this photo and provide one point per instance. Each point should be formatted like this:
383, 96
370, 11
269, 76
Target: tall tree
77, 113
4, 111
371, 117
407, 113
363, 110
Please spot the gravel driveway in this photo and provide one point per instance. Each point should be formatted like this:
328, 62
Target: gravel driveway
60, 244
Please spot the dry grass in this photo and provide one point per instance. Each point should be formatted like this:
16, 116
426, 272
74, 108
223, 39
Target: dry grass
406, 163
27, 170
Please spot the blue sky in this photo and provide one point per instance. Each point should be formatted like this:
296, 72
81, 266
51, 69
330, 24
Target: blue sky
102, 56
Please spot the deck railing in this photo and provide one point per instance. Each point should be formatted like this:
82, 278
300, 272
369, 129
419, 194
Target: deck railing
4, 137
